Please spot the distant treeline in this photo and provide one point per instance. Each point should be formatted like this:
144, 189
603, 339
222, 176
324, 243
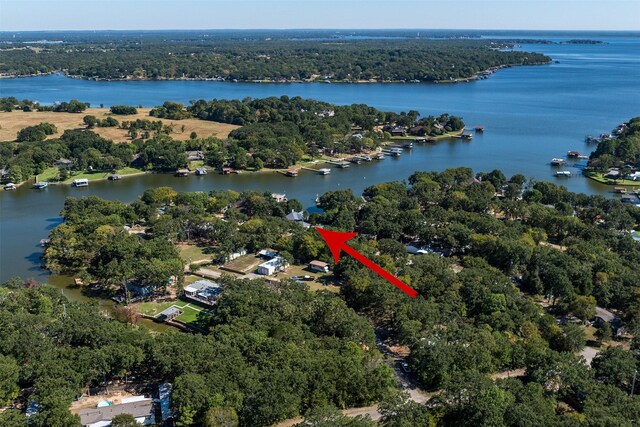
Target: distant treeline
265, 59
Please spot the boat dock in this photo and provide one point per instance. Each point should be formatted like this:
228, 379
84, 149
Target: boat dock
341, 164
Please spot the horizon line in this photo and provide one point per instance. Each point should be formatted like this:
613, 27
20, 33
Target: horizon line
322, 29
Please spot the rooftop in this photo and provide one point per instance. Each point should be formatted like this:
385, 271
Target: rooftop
141, 408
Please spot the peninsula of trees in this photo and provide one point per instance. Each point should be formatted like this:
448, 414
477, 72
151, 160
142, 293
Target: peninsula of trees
230, 58
273, 133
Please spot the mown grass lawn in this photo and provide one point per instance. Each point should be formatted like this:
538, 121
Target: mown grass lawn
53, 173
189, 310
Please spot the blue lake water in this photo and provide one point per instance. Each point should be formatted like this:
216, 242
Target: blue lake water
530, 114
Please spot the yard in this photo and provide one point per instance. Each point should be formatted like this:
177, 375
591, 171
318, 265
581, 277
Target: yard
194, 252
245, 263
52, 174
189, 310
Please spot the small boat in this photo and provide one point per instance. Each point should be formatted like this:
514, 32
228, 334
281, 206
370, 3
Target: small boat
114, 177
10, 186
380, 156
583, 157
563, 173
420, 139
573, 154
81, 182
479, 129
182, 172
292, 173
355, 160
556, 161
620, 190
343, 165
591, 140
40, 185
366, 158
408, 145
201, 171
324, 171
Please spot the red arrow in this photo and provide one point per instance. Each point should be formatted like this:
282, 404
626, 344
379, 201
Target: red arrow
337, 242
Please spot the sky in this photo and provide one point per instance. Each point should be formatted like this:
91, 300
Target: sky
30, 15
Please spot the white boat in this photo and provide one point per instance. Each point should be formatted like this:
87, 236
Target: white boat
324, 171
10, 186
81, 182
40, 185
201, 171
563, 173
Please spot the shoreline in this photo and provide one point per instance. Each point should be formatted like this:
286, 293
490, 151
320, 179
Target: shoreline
474, 77
296, 166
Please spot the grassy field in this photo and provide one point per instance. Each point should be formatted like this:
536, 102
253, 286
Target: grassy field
601, 178
245, 263
194, 252
189, 310
13, 121
52, 174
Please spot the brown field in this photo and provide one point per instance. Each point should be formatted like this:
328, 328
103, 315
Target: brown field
13, 121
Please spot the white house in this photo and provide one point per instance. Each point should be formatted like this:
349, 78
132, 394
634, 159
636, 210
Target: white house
140, 407
204, 291
274, 265
320, 266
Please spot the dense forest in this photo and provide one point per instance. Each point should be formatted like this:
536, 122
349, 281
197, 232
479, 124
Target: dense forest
275, 133
274, 59
507, 261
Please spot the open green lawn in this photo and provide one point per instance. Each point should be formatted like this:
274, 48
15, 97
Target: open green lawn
194, 252
244, 263
189, 310
52, 174
601, 178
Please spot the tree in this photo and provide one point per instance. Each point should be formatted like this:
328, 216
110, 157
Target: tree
583, 307
570, 338
90, 121
193, 135
9, 374
614, 366
124, 420
220, 417
604, 332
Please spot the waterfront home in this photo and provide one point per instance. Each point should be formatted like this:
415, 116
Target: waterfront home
267, 253
140, 289
274, 265
182, 172
398, 131
193, 156
320, 266
203, 291
279, 198
63, 163
612, 173
140, 407
298, 217
81, 182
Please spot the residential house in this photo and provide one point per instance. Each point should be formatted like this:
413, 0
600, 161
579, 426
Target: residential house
170, 313
280, 198
298, 217
320, 266
397, 131
63, 163
274, 265
193, 156
140, 407
203, 291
